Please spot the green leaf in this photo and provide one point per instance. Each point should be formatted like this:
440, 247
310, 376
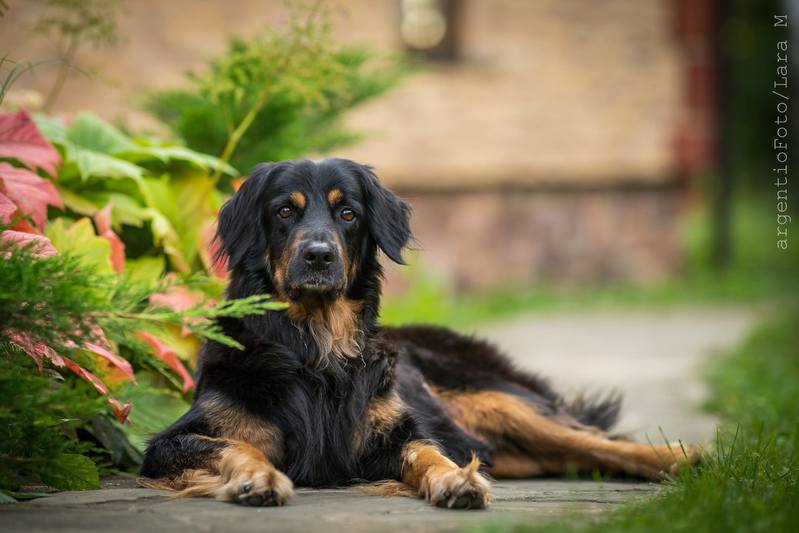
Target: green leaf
71, 471
52, 128
167, 154
90, 132
178, 205
145, 269
114, 439
90, 163
156, 408
80, 240
76, 202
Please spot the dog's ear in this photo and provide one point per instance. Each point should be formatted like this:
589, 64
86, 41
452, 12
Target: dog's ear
240, 231
388, 216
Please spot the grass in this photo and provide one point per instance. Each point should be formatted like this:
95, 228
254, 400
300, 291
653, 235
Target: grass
759, 273
751, 480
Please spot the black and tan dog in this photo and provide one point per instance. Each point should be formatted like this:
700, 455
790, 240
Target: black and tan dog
322, 395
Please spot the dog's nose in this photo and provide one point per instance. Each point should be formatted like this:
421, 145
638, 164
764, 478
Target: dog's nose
318, 255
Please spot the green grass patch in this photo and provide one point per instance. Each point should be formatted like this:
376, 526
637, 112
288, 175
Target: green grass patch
750, 482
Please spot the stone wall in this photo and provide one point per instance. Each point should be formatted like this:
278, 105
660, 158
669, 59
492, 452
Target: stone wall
481, 240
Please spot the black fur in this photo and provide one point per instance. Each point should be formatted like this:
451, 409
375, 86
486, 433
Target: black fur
319, 401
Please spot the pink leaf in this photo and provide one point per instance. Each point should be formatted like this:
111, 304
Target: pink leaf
104, 229
81, 372
7, 209
29, 192
21, 139
119, 362
42, 248
177, 297
211, 251
35, 350
169, 357
120, 411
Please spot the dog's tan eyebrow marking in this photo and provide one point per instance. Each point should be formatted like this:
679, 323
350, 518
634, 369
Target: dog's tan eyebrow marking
298, 199
334, 196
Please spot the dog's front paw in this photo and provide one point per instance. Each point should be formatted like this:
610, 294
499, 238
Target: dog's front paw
257, 486
462, 488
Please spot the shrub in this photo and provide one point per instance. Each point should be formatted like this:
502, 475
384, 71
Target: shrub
276, 96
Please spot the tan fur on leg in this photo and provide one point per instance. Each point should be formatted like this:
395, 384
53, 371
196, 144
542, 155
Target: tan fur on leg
552, 448
440, 481
241, 474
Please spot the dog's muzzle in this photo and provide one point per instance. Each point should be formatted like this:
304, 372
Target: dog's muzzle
317, 266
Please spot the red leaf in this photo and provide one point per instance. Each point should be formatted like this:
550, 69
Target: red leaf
120, 411
21, 139
176, 297
169, 357
104, 230
119, 362
78, 370
7, 209
35, 350
29, 192
211, 251
42, 248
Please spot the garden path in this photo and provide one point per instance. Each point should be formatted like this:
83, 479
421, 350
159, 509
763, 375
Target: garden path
654, 357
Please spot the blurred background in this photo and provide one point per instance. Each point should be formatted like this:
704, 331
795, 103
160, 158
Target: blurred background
539, 142
593, 183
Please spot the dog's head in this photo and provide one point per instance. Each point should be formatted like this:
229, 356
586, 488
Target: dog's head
309, 224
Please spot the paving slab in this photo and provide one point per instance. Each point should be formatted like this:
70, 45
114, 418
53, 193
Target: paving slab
654, 357
137, 509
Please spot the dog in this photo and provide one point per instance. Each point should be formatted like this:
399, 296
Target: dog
322, 395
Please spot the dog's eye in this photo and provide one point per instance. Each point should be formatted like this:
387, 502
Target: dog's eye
347, 215
285, 212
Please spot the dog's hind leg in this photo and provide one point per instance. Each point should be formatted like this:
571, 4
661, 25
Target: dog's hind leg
225, 469
529, 444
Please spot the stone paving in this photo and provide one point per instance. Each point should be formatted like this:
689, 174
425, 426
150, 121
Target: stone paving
653, 357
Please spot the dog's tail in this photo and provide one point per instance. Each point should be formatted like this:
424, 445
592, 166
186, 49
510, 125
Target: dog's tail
598, 410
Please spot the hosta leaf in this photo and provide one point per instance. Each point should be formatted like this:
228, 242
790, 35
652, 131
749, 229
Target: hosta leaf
20, 139
71, 471
31, 193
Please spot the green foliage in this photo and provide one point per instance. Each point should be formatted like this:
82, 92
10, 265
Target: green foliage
91, 20
277, 96
39, 417
57, 303
156, 408
74, 23
164, 189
